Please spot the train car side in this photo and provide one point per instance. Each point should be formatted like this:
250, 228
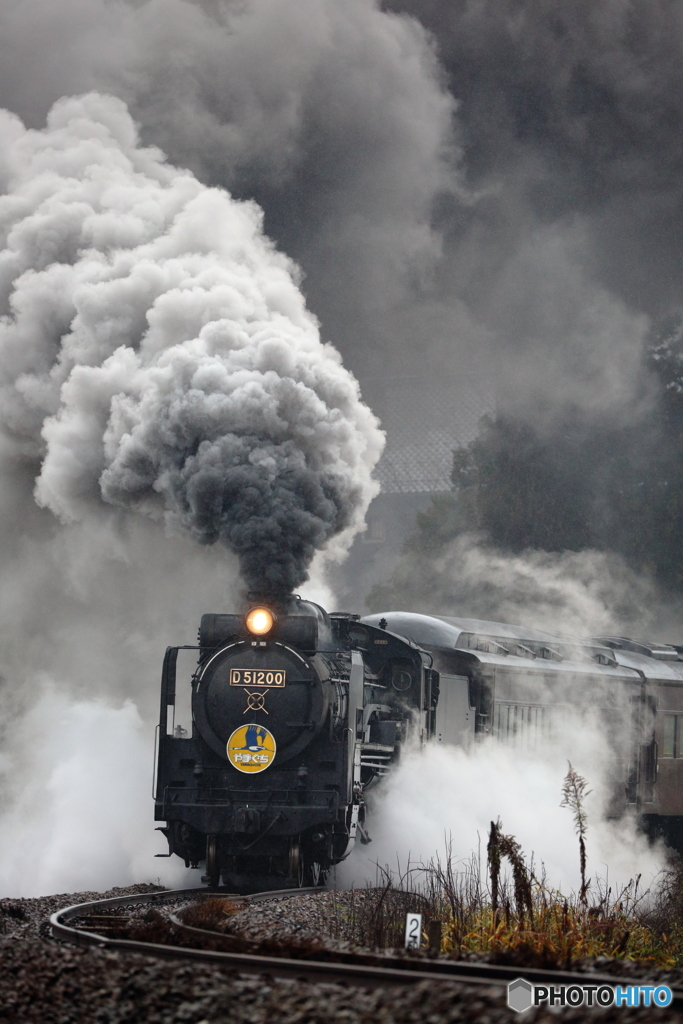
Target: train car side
513, 683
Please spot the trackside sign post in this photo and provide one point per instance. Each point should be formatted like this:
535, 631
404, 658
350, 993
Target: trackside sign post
413, 931
522, 995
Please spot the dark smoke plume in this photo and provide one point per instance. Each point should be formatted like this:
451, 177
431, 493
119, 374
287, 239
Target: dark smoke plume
157, 354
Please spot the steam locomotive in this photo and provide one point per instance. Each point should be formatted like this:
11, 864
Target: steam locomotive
296, 714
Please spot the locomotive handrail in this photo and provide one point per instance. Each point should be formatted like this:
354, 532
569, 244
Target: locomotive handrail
154, 767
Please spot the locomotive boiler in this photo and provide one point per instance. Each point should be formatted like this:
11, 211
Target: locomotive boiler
295, 714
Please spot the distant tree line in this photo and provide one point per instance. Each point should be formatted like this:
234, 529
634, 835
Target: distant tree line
604, 482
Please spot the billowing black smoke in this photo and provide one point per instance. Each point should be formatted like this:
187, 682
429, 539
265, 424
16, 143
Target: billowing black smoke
263, 501
157, 354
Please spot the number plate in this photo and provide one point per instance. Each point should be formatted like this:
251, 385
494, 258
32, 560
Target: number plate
257, 677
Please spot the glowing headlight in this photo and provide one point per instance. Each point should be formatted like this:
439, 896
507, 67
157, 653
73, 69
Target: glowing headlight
259, 621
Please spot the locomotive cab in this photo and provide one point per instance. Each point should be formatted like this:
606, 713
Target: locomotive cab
294, 714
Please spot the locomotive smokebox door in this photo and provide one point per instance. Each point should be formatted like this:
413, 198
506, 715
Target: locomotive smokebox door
266, 684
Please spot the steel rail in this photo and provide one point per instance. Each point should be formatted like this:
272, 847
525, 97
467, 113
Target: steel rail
392, 971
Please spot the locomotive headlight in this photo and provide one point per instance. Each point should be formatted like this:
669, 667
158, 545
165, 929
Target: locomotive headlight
259, 621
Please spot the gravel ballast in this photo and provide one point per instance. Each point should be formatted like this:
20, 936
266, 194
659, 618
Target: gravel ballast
48, 982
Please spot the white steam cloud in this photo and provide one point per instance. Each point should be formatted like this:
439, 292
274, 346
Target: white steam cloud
156, 357
82, 820
445, 794
585, 593
157, 354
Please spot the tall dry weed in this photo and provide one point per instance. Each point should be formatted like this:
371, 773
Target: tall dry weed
512, 914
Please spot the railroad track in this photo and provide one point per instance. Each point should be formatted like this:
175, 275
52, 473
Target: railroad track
96, 924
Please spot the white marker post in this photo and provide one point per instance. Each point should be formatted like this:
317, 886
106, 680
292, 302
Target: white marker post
413, 931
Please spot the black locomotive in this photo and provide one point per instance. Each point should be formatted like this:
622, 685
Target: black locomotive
295, 713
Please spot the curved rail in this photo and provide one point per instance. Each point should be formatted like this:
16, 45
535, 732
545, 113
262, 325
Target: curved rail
358, 969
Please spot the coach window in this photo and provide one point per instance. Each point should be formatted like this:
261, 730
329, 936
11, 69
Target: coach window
671, 745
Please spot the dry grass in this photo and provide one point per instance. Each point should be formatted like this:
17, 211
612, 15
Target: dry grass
213, 914
375, 918
538, 925
516, 917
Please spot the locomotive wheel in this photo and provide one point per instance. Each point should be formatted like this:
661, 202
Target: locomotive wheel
297, 868
211, 861
317, 873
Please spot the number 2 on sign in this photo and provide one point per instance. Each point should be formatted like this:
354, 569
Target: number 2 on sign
413, 931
